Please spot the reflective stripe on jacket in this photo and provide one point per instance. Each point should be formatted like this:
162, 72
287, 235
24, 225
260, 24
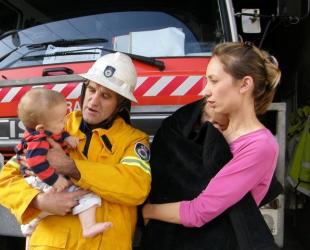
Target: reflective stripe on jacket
120, 174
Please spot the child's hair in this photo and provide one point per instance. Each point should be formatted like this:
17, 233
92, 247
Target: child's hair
35, 105
242, 59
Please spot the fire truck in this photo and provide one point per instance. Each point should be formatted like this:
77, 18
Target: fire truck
48, 43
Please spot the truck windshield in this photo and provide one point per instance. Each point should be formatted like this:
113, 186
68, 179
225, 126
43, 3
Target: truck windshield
158, 30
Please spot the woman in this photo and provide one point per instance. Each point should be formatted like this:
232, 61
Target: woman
241, 83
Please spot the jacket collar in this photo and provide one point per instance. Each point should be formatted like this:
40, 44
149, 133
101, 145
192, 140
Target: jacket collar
79, 127
85, 128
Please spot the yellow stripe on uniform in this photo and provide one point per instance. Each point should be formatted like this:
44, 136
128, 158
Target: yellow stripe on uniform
13, 162
135, 161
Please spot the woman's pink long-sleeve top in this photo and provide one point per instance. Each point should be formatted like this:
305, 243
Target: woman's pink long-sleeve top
251, 169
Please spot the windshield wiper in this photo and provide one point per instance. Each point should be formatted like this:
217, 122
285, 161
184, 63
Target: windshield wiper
144, 59
64, 42
59, 53
147, 60
60, 42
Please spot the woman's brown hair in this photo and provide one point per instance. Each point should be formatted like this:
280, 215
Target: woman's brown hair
244, 59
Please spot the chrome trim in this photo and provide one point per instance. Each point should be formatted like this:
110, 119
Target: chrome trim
232, 20
159, 109
42, 80
8, 143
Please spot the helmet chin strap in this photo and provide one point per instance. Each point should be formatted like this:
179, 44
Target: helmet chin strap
124, 110
83, 90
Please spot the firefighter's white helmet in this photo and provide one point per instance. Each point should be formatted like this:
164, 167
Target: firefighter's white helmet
116, 72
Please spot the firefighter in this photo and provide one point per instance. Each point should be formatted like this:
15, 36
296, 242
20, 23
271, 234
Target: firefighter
112, 160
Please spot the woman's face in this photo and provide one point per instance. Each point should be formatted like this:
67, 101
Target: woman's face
222, 90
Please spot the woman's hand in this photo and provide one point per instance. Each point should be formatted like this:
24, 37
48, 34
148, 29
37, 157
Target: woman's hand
145, 209
57, 203
168, 212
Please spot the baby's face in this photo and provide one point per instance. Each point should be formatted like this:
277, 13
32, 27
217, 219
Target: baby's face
57, 119
220, 121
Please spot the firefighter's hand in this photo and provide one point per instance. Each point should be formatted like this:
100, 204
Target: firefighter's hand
23, 161
60, 161
72, 141
58, 203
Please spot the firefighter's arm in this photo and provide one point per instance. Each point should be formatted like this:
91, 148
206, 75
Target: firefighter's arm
127, 182
16, 194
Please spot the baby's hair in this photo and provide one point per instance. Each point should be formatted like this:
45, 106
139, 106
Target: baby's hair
35, 105
242, 59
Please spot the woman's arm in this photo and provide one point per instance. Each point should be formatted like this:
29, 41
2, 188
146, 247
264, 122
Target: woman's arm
250, 170
245, 171
168, 212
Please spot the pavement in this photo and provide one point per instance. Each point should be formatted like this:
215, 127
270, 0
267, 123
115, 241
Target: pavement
296, 233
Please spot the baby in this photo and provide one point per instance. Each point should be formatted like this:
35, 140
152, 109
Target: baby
43, 113
220, 121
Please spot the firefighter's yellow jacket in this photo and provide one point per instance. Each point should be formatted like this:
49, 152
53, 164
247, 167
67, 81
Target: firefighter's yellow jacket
117, 170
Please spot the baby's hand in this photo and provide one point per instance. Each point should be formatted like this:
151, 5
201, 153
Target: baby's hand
72, 141
61, 184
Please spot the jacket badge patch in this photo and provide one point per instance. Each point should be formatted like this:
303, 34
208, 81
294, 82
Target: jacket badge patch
142, 151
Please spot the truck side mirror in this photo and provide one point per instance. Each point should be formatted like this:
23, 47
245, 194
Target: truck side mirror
250, 21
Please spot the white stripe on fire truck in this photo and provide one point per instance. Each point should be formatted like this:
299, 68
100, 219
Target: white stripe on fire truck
159, 86
154, 90
186, 85
11, 94
75, 93
202, 92
59, 87
140, 80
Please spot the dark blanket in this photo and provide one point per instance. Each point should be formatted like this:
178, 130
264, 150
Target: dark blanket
184, 159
